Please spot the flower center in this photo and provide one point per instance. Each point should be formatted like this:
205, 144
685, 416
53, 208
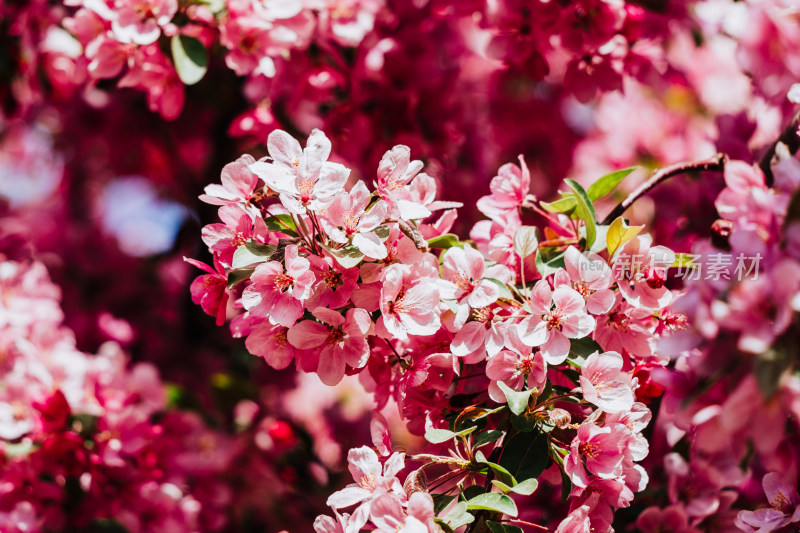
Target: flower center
398, 305
525, 365
335, 336
280, 339
368, 482
333, 278
464, 283
588, 449
305, 187
554, 320
283, 282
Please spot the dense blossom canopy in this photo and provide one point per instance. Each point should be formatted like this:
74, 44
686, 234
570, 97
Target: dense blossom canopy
426, 326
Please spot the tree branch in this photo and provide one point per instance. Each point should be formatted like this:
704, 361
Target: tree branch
788, 137
715, 164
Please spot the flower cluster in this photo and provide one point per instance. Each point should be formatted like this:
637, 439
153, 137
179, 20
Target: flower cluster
83, 430
342, 281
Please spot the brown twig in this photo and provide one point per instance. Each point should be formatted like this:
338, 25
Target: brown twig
716, 164
788, 137
413, 233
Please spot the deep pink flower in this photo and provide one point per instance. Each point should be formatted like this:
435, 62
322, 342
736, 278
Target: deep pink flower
785, 509
335, 284
238, 184
211, 290
340, 341
600, 449
641, 273
270, 341
278, 293
238, 226
141, 21
465, 268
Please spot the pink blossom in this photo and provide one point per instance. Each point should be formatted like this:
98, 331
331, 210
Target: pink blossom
270, 341
371, 482
409, 300
388, 514
604, 384
279, 293
641, 271
466, 269
141, 21
556, 316
335, 284
395, 171
211, 290
237, 228
238, 184
509, 189
515, 370
785, 507
154, 73
304, 178
591, 276
601, 448
341, 340
347, 220
482, 336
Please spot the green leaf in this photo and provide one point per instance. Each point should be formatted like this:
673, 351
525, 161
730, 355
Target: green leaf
501, 473
548, 264
448, 240
252, 253
106, 525
580, 349
487, 437
499, 527
525, 241
523, 423
526, 488
441, 501
347, 256
585, 210
493, 501
438, 436
525, 456
282, 223
565, 204
235, 277
382, 232
607, 183
517, 400
596, 190
190, 58
458, 516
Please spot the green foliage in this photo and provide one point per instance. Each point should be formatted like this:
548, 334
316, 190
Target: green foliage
525, 455
190, 58
493, 501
